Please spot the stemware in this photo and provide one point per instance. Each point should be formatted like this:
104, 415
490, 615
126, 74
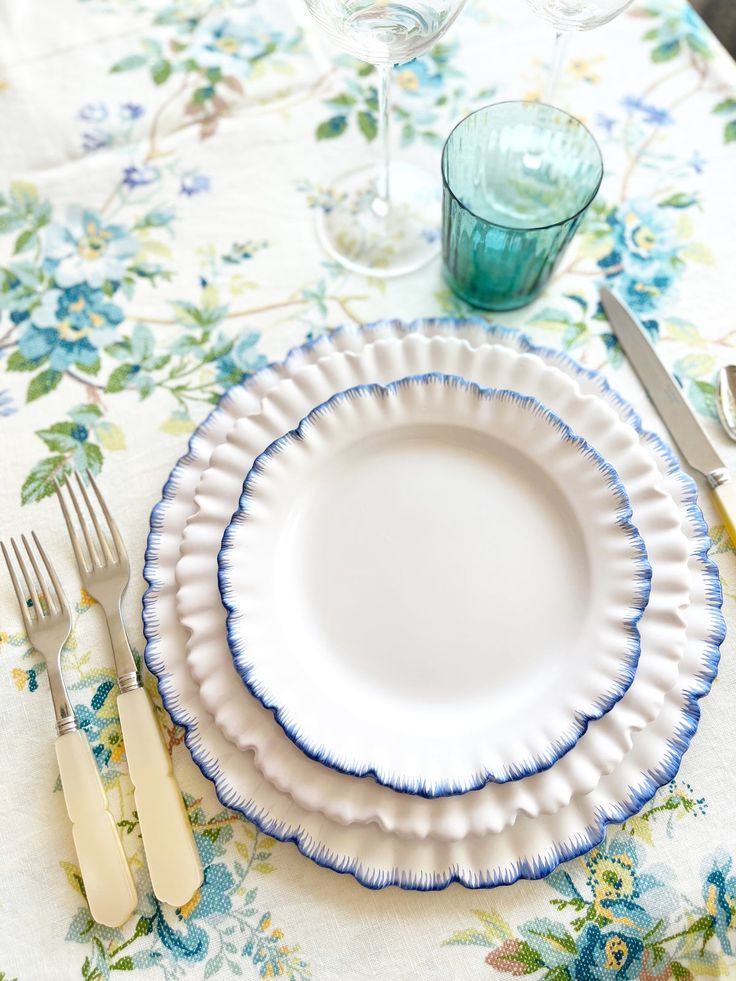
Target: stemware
383, 219
573, 15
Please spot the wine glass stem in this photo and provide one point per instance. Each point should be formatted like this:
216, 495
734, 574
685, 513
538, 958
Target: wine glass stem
380, 204
562, 43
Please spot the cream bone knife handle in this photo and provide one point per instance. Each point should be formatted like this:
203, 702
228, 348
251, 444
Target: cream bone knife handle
172, 856
725, 498
107, 880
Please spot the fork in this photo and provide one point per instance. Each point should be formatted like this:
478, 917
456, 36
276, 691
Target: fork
104, 868
173, 859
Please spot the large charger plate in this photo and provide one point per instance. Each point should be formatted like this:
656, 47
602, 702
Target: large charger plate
434, 584
247, 724
535, 845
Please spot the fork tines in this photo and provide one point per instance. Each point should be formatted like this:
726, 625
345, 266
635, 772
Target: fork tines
100, 549
43, 597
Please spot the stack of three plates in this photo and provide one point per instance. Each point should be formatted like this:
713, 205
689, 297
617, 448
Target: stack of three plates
431, 604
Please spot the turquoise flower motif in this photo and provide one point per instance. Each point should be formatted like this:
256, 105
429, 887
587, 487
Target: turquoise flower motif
417, 76
622, 893
719, 894
679, 28
214, 892
643, 233
606, 955
231, 46
186, 941
644, 254
644, 292
86, 250
69, 327
242, 360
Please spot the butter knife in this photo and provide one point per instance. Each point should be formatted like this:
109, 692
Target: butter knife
676, 412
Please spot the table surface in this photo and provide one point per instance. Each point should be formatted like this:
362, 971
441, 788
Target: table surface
192, 143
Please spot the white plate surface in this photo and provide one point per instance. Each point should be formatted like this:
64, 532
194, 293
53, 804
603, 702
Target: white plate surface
534, 846
345, 799
434, 584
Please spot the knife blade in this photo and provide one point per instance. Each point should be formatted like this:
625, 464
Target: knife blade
676, 412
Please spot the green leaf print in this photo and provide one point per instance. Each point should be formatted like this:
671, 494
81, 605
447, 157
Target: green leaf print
367, 125
39, 482
43, 384
331, 128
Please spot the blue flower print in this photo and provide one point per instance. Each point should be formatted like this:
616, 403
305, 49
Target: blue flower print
214, 893
678, 29
192, 184
651, 114
86, 250
131, 110
134, 176
93, 112
241, 361
606, 955
643, 232
230, 46
623, 894
697, 162
416, 76
719, 894
69, 327
95, 139
643, 292
185, 940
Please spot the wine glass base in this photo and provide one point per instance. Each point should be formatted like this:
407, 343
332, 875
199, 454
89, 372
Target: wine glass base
406, 238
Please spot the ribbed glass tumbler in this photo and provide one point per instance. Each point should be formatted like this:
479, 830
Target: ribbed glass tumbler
517, 179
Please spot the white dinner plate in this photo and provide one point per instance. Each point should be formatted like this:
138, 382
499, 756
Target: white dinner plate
434, 584
345, 799
533, 846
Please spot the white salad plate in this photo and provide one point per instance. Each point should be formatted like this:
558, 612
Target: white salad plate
533, 846
434, 584
343, 798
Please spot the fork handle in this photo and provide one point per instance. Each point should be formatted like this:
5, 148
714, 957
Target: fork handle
173, 859
107, 880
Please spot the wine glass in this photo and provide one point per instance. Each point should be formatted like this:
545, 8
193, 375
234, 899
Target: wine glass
383, 219
573, 15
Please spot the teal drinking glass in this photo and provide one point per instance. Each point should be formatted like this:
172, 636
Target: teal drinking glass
517, 179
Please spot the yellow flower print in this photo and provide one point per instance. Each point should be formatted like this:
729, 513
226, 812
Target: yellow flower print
85, 601
612, 877
582, 70
112, 740
93, 243
188, 908
616, 952
407, 80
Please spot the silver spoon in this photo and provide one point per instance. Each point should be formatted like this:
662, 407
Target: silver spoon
726, 399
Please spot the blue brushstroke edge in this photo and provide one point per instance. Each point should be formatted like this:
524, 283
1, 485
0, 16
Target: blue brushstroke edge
560, 852
578, 725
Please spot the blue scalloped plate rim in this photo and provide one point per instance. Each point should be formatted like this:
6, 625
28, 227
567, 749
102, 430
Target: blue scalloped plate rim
579, 723
638, 797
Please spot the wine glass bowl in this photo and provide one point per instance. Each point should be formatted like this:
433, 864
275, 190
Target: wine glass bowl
383, 220
578, 15
383, 33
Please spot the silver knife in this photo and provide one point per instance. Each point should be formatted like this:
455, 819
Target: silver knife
676, 412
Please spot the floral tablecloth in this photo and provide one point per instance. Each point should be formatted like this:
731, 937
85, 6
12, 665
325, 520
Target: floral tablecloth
161, 166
